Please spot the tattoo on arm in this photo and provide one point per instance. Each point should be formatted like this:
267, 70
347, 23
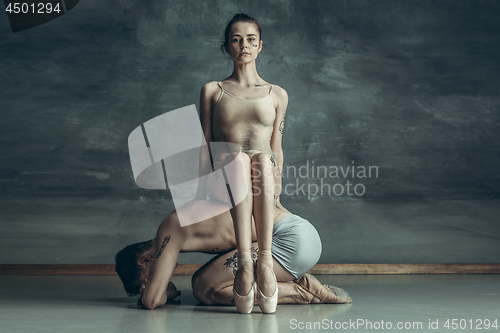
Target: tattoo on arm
282, 126
165, 242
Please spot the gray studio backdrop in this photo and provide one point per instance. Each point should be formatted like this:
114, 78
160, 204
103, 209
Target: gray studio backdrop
409, 88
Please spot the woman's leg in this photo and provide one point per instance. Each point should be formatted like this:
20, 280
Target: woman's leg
263, 212
213, 283
238, 179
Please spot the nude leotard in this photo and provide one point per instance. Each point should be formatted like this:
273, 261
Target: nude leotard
245, 122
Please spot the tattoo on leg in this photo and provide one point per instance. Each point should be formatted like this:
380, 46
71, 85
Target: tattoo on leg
232, 262
254, 253
273, 161
165, 242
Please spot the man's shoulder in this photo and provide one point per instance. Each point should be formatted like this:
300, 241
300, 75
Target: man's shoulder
169, 226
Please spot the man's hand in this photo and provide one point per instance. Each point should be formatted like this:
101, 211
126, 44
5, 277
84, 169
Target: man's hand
172, 292
143, 286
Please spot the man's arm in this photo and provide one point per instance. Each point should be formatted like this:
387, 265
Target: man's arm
171, 292
279, 125
169, 240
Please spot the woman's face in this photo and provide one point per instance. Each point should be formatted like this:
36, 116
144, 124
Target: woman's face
244, 42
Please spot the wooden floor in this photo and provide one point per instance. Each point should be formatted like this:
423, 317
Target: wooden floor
412, 303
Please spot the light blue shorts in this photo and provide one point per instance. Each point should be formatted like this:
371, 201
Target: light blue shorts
296, 244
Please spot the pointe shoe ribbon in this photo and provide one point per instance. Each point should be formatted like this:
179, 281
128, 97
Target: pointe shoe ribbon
244, 304
268, 304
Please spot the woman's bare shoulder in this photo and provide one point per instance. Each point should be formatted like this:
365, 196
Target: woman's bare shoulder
210, 88
280, 93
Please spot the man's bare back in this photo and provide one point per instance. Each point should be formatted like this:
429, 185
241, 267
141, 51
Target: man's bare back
215, 235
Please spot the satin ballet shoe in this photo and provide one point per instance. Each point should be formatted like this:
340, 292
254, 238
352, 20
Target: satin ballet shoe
268, 304
244, 304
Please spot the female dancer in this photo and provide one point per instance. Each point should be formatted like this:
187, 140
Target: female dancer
246, 111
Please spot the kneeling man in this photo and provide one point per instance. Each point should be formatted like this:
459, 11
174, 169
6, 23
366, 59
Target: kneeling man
147, 267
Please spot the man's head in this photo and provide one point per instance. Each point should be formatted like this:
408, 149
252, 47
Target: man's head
131, 265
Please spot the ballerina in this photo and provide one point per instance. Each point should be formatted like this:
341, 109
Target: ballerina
246, 111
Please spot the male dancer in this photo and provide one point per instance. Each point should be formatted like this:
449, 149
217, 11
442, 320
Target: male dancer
147, 267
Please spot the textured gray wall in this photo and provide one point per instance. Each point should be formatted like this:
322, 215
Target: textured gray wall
408, 86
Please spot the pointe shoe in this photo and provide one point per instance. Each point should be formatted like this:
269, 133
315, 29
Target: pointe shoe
244, 304
268, 304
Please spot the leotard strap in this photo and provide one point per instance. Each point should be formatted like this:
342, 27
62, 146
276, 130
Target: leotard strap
221, 92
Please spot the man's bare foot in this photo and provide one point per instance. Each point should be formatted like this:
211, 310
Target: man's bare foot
320, 293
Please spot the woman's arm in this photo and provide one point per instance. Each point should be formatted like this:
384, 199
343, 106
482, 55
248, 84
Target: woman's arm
281, 103
206, 97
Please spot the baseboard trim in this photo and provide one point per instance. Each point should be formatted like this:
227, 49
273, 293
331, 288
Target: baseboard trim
362, 269
334, 269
